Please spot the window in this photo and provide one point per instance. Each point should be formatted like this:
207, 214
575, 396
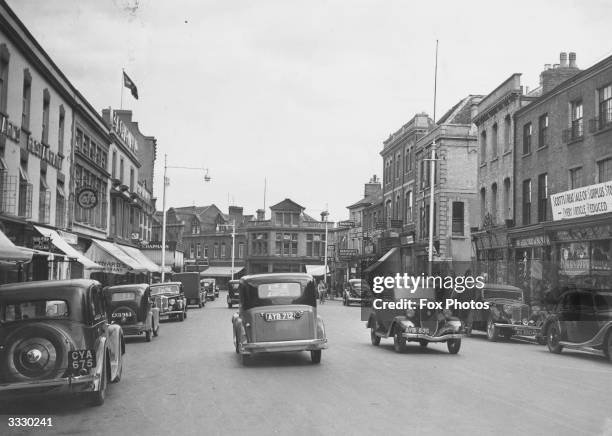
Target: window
25, 193
60, 206
542, 196
223, 253
604, 170
44, 201
577, 126
240, 250
494, 134
407, 161
507, 132
398, 207
397, 165
60, 130
458, 218
527, 138
408, 206
259, 243
114, 165
483, 146
195, 227
286, 244
425, 221
388, 210
494, 202
206, 251
526, 201
121, 169
85, 147
605, 106
315, 245
575, 178
543, 131
483, 204
27, 98
131, 179
45, 120
216, 251
198, 252
191, 251
4, 67
507, 197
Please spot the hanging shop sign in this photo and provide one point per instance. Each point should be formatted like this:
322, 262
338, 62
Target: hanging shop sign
534, 241
346, 223
589, 200
87, 198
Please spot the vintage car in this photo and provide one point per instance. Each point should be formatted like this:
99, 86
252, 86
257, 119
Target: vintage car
169, 298
130, 306
582, 320
210, 288
193, 289
233, 297
507, 315
55, 338
404, 315
357, 291
278, 312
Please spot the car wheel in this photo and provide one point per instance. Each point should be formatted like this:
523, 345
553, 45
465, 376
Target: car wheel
453, 345
399, 342
423, 343
97, 398
608, 346
553, 338
374, 337
492, 331
315, 356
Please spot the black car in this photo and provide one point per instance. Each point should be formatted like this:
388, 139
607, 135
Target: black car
357, 291
130, 307
170, 300
582, 320
233, 297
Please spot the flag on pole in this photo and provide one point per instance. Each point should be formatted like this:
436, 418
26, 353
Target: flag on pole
127, 82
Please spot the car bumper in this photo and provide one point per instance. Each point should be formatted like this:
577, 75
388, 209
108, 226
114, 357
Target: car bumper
133, 330
270, 347
519, 329
83, 383
171, 312
429, 338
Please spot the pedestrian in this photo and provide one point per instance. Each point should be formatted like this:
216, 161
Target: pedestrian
321, 289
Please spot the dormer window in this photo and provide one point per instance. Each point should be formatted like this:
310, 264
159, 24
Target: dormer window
195, 227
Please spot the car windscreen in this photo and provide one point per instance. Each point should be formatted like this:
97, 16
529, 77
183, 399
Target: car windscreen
276, 290
168, 289
502, 293
123, 296
35, 309
274, 293
235, 286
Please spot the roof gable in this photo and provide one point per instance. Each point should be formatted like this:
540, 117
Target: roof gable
287, 205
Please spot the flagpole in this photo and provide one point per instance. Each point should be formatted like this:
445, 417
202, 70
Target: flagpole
122, 86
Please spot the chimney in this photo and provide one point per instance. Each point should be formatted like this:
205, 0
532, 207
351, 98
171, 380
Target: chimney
563, 59
572, 60
546, 67
324, 215
373, 187
261, 214
235, 213
550, 78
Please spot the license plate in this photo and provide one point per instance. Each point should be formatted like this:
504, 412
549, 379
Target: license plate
81, 359
279, 316
421, 330
521, 332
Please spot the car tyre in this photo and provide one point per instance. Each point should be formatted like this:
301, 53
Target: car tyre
492, 331
423, 343
607, 348
399, 342
453, 345
97, 398
315, 356
553, 337
374, 337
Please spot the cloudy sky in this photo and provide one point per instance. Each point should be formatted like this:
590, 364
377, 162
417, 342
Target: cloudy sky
302, 93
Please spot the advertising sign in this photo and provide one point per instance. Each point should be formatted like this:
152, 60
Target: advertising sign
574, 258
347, 253
87, 198
589, 200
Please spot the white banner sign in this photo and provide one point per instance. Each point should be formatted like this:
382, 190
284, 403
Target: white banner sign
590, 200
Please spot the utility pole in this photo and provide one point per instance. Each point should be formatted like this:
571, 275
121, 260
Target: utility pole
163, 247
233, 244
432, 173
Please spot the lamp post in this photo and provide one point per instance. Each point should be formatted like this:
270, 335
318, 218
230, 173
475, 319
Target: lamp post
207, 178
325, 214
233, 244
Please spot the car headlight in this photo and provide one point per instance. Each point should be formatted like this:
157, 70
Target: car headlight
407, 323
171, 301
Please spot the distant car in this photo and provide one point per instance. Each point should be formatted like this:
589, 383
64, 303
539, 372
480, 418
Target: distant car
170, 300
420, 325
130, 307
56, 338
357, 291
211, 288
193, 289
278, 312
507, 315
233, 297
582, 320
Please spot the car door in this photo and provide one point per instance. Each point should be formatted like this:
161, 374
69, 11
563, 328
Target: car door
567, 314
580, 317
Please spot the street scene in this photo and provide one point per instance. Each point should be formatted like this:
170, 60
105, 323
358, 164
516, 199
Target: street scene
303, 218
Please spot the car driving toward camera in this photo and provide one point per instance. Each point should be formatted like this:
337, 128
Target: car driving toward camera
170, 300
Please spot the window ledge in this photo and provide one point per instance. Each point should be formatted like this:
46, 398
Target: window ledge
495, 159
603, 130
575, 140
542, 148
507, 152
526, 155
459, 237
483, 164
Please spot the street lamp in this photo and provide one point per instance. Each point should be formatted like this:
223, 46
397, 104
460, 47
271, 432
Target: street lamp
324, 215
207, 178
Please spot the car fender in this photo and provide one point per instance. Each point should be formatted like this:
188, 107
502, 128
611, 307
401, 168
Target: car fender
239, 329
320, 328
397, 323
101, 352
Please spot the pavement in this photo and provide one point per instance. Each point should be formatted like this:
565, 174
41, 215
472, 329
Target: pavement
189, 381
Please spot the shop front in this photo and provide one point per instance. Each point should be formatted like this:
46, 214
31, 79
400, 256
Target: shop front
118, 267
492, 255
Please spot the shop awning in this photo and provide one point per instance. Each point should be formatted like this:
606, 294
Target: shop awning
316, 270
64, 246
113, 259
220, 271
141, 258
10, 253
386, 256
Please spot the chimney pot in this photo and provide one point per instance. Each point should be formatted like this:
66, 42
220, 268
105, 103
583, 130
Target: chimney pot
546, 67
563, 59
572, 60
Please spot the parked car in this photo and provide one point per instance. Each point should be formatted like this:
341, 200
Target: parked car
278, 312
582, 320
130, 306
210, 287
233, 297
169, 298
507, 315
193, 289
357, 291
420, 325
56, 338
